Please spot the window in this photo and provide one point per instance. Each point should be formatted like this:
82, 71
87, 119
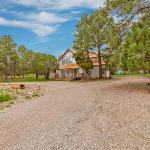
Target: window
68, 59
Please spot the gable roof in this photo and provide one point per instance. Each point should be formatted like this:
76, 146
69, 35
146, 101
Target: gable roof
69, 49
92, 54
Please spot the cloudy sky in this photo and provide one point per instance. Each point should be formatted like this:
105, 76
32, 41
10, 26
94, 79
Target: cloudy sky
44, 25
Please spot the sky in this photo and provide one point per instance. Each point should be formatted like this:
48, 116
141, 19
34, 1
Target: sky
46, 26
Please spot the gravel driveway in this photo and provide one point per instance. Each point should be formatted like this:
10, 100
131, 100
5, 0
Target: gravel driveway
102, 115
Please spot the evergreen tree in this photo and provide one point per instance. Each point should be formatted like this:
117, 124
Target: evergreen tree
83, 44
8, 56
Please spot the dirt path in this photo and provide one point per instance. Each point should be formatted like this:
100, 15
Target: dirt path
102, 115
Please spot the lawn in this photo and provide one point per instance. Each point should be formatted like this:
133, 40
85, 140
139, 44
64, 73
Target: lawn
27, 78
131, 75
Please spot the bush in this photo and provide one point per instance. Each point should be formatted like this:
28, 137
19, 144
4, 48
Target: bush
4, 98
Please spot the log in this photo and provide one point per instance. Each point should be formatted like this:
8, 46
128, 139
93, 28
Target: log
18, 86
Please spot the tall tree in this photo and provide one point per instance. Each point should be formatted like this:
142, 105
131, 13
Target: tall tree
128, 11
133, 49
23, 64
94, 32
49, 64
22, 61
37, 64
83, 44
101, 23
8, 55
98, 19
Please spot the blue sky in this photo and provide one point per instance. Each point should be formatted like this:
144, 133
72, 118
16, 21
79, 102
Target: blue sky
44, 25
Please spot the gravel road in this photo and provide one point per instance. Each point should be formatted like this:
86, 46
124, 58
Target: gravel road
97, 115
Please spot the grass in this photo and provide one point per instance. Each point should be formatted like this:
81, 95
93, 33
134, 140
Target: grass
9, 96
27, 78
5, 97
131, 75
31, 78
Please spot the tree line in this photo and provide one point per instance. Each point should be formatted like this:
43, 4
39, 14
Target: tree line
124, 43
20, 61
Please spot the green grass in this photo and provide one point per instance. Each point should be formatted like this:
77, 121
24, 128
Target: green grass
5, 98
131, 75
28, 78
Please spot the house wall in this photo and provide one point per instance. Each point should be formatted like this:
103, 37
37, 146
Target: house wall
59, 73
94, 59
95, 71
60, 64
66, 59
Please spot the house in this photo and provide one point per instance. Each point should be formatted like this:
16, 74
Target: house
68, 68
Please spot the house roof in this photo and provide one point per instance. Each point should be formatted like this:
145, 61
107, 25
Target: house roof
92, 54
69, 49
75, 66
96, 63
71, 66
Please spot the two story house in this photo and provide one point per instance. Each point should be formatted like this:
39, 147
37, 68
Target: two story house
68, 68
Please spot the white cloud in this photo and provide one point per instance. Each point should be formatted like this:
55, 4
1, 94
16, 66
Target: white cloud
42, 23
45, 18
60, 4
94, 3
40, 29
40, 20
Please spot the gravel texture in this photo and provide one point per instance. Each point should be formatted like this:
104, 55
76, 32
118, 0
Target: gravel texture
99, 115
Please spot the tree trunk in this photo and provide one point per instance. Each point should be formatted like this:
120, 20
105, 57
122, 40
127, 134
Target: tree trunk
37, 75
11, 76
87, 74
100, 63
14, 76
6, 70
14, 73
90, 74
6, 77
47, 75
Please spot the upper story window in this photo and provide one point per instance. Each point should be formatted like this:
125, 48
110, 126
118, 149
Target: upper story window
68, 59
